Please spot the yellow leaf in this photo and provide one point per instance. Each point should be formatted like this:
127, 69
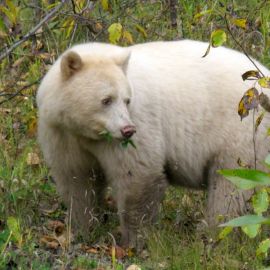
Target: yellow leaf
225, 232
264, 82
3, 34
105, 4
141, 30
70, 28
32, 126
12, 17
128, 37
242, 23
115, 32
242, 111
258, 121
202, 13
249, 101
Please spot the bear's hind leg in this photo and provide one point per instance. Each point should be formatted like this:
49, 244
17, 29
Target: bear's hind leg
224, 199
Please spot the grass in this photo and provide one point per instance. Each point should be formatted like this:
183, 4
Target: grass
29, 203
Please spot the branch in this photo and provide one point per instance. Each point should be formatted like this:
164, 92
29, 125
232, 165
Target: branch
19, 91
240, 45
32, 31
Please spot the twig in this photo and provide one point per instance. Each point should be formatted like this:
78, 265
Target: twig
240, 45
254, 140
32, 31
19, 91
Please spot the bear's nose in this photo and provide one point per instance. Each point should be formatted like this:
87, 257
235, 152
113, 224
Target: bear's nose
128, 131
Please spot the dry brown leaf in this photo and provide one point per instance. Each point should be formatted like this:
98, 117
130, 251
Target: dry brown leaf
120, 253
18, 62
5, 110
33, 159
187, 201
57, 226
50, 242
32, 127
92, 250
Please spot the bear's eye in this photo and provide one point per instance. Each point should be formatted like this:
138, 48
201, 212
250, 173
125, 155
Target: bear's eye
127, 101
107, 101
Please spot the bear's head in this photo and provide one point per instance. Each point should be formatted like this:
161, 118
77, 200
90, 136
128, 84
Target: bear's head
93, 96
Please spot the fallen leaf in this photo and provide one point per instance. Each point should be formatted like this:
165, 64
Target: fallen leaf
120, 253
32, 126
133, 267
50, 242
33, 159
57, 226
128, 37
5, 110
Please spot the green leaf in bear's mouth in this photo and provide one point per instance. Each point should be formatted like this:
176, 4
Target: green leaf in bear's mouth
126, 142
107, 135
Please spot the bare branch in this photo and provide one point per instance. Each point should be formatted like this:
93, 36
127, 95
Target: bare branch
32, 31
240, 45
18, 92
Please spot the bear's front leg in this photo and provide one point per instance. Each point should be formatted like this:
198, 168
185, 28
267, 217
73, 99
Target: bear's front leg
83, 195
138, 202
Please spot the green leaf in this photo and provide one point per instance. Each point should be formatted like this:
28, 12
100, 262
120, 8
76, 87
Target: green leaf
126, 142
263, 247
246, 220
251, 230
260, 201
225, 232
115, 32
246, 178
107, 135
218, 37
14, 227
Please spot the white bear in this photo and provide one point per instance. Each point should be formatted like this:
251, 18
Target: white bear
179, 109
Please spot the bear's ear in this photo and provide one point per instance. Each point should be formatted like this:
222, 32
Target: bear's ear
123, 60
71, 62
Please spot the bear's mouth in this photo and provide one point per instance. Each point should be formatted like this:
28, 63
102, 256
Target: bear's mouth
124, 142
